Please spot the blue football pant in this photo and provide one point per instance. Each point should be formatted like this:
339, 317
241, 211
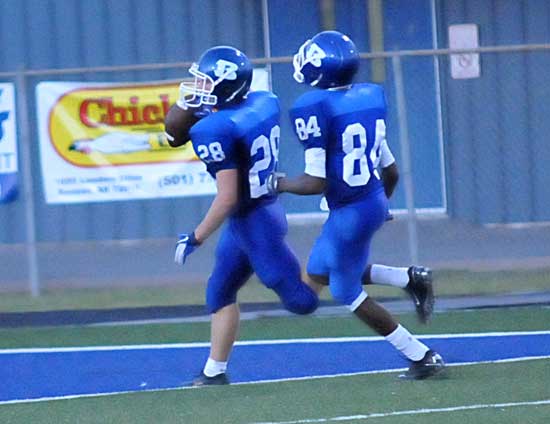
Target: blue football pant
255, 243
342, 249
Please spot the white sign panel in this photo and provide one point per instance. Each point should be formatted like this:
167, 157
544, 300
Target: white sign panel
465, 65
8, 144
105, 142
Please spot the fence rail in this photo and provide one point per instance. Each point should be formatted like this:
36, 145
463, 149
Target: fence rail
277, 59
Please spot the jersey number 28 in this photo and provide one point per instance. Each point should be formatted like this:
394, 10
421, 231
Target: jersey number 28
270, 151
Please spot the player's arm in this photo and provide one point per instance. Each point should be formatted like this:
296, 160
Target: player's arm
390, 177
214, 143
303, 185
390, 171
225, 202
312, 181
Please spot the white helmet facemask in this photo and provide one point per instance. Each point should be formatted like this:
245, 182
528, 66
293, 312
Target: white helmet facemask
199, 92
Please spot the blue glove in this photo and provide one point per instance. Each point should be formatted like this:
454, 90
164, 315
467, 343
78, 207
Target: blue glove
184, 247
389, 216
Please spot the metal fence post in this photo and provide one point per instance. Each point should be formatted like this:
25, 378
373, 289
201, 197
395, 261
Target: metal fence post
267, 41
28, 193
406, 166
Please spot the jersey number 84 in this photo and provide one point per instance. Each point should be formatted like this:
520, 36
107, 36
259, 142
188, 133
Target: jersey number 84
353, 154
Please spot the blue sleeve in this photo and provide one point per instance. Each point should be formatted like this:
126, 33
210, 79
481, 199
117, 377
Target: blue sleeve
214, 144
308, 120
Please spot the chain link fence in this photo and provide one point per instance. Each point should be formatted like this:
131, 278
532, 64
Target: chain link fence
473, 157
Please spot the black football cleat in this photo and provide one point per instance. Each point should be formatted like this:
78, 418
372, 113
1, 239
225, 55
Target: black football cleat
420, 289
432, 364
217, 380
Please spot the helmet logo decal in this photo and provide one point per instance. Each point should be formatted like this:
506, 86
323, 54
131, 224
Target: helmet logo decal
226, 70
314, 55
308, 53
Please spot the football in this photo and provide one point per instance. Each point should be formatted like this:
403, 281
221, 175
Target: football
178, 123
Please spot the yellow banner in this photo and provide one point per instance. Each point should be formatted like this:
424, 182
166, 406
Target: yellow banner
115, 125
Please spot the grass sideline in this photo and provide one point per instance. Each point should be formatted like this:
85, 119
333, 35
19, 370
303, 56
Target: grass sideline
533, 318
317, 400
314, 399
447, 283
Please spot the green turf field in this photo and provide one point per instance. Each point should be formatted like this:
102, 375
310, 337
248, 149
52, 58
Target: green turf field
508, 319
317, 400
447, 283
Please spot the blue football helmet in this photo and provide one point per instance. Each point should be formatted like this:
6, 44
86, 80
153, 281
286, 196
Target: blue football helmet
222, 77
329, 59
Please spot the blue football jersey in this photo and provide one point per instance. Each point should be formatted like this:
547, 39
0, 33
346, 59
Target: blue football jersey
244, 137
342, 131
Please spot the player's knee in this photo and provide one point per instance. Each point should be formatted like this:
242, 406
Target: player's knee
321, 280
303, 301
214, 305
345, 295
316, 268
216, 300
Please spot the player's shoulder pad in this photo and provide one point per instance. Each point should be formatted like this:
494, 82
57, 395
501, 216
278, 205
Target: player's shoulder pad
374, 91
310, 98
263, 99
260, 94
215, 124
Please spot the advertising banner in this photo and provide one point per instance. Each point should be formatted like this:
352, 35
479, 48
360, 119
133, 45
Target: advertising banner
8, 144
104, 142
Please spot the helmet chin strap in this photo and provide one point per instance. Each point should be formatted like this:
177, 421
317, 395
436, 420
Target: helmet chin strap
221, 78
314, 83
237, 91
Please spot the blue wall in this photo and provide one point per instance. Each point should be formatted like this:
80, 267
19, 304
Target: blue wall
494, 126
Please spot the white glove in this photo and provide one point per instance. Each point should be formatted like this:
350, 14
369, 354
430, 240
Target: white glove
272, 181
186, 245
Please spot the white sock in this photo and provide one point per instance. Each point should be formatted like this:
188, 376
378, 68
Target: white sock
213, 368
389, 275
407, 344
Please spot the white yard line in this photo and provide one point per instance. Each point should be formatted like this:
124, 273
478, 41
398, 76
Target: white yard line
393, 370
412, 412
282, 380
261, 342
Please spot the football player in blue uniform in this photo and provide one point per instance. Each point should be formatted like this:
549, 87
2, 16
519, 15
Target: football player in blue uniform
417, 281
342, 128
237, 138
